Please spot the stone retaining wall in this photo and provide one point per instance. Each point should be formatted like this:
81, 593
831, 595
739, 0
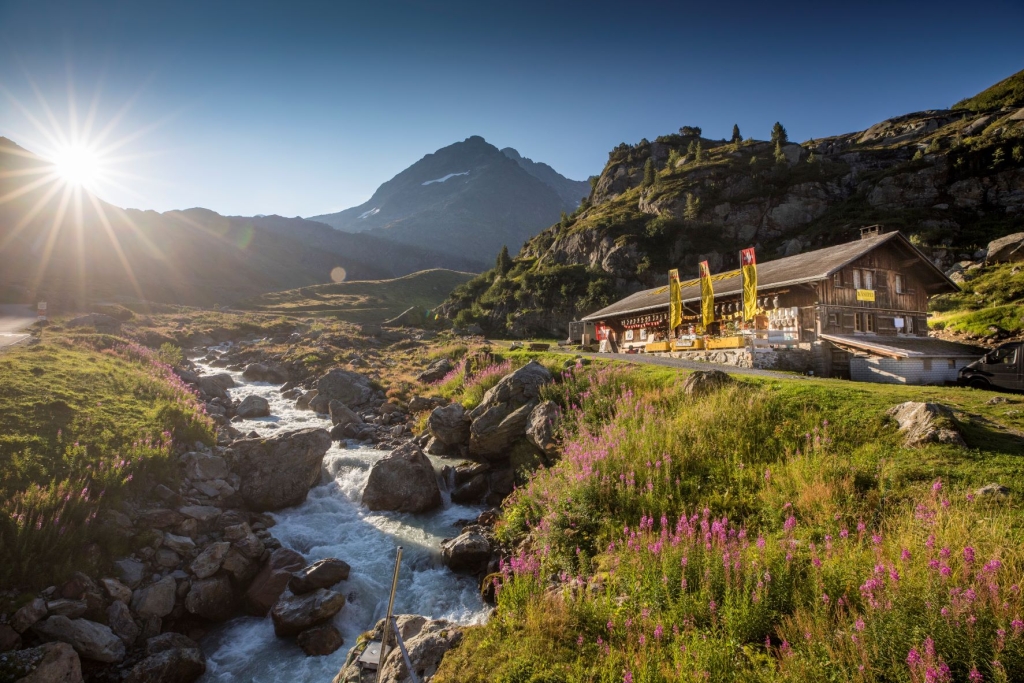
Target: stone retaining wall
794, 359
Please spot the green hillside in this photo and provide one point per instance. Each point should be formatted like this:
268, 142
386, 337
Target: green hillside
365, 301
990, 296
1008, 92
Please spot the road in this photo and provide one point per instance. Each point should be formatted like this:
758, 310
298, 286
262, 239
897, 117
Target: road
645, 359
14, 318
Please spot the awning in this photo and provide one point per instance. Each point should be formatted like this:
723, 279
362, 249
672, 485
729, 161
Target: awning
903, 347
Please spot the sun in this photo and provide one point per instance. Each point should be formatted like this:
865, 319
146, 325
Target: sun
78, 165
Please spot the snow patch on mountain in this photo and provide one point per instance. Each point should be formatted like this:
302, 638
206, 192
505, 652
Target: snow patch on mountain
371, 212
441, 180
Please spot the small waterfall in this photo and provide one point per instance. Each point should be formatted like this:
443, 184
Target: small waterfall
332, 523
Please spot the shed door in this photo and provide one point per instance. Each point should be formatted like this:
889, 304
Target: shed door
808, 324
840, 363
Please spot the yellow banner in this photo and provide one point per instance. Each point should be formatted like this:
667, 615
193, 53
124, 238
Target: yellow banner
748, 264
707, 295
865, 295
675, 301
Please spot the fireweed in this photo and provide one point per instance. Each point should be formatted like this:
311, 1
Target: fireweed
784, 570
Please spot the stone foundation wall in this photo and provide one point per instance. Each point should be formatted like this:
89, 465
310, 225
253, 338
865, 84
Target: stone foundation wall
793, 359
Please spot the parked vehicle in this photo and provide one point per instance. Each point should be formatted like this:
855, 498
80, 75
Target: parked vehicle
1001, 368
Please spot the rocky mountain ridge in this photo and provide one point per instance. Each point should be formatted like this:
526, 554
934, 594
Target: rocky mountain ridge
952, 180
468, 199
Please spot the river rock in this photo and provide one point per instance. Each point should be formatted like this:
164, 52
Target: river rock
156, 600
321, 574
303, 401
320, 640
205, 515
426, 641
703, 382
211, 599
468, 552
471, 491
402, 481
253, 406
449, 424
540, 428
341, 415
130, 571
48, 663
278, 472
72, 609
117, 590
205, 466
28, 615
351, 388
293, 614
209, 561
158, 518
170, 658
216, 386
924, 423
183, 545
436, 371
493, 431
120, 620
1009, 248
272, 580
90, 640
264, 372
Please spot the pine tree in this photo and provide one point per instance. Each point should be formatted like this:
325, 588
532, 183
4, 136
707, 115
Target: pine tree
736, 137
504, 262
649, 172
698, 153
779, 136
565, 220
780, 156
692, 210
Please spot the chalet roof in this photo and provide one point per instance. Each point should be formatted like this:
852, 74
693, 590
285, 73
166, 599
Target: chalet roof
791, 270
904, 347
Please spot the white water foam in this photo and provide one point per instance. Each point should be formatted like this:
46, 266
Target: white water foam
332, 523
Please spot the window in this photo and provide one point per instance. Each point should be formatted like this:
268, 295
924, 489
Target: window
856, 279
643, 334
1006, 355
868, 277
629, 335
952, 364
927, 363
833, 320
864, 322
837, 279
858, 323
909, 325
899, 283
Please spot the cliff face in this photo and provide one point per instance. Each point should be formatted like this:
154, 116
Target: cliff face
951, 180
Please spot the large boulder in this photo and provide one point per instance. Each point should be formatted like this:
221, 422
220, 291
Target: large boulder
253, 406
705, 381
436, 371
272, 580
403, 481
341, 414
29, 613
265, 372
293, 614
426, 641
212, 599
205, 466
320, 640
351, 388
493, 431
321, 574
210, 560
216, 386
516, 388
540, 428
90, 639
279, 471
924, 423
170, 658
48, 663
1004, 249
449, 424
468, 552
155, 600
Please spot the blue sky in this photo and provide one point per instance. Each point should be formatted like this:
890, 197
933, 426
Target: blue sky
302, 108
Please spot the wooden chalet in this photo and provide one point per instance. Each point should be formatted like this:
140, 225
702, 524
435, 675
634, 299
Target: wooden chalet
836, 311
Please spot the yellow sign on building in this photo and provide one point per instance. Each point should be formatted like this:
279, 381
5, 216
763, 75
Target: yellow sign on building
865, 295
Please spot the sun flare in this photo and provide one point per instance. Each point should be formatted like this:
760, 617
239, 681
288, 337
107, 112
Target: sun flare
78, 165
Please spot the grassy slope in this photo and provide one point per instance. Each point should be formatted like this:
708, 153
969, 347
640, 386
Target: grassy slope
81, 418
1008, 92
992, 295
853, 468
366, 301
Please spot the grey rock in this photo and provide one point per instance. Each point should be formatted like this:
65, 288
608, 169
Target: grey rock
320, 640
205, 466
278, 472
468, 552
351, 388
217, 385
321, 574
303, 401
170, 658
265, 372
449, 424
212, 599
167, 558
209, 561
403, 481
204, 514
52, 662
183, 545
293, 614
130, 571
703, 382
516, 388
540, 428
924, 423
272, 580
426, 641
119, 617
435, 371
253, 406
341, 415
492, 433
72, 609
117, 590
28, 615
1006, 249
155, 600
90, 640
992, 491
